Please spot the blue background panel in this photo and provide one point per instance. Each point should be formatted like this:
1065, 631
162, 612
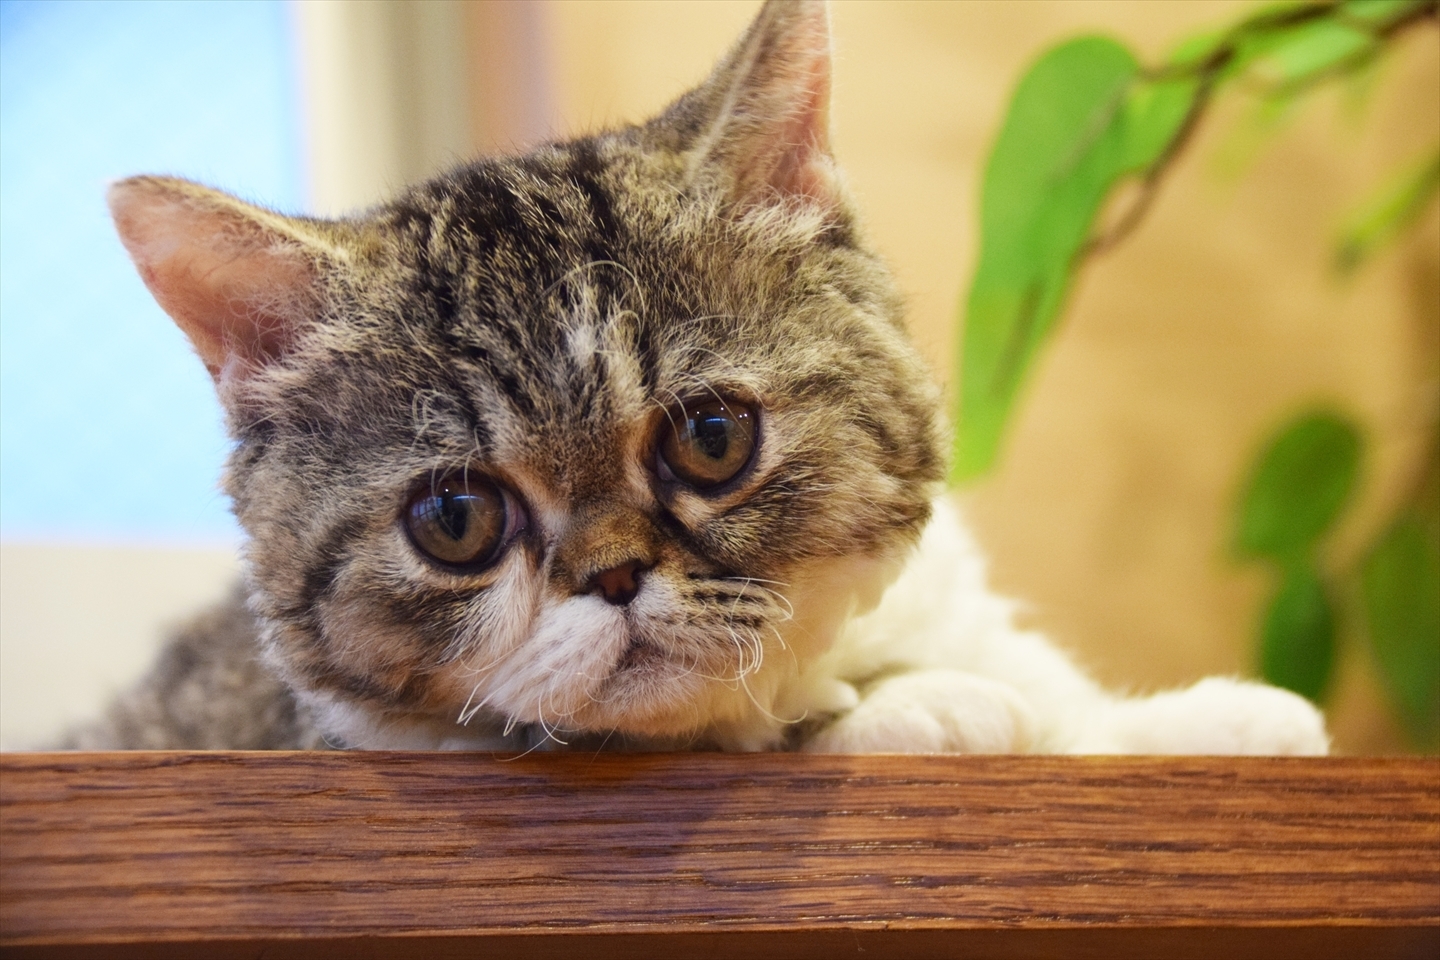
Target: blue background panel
109, 428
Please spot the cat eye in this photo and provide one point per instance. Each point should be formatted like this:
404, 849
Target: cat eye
707, 442
463, 520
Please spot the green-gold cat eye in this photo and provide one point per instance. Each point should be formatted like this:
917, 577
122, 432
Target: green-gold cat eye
707, 442
462, 520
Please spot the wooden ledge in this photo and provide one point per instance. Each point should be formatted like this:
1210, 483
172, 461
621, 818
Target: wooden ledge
666, 855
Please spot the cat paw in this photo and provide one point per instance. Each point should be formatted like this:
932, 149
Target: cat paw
1216, 716
931, 711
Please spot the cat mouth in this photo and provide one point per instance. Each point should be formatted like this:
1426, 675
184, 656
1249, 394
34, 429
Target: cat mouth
639, 655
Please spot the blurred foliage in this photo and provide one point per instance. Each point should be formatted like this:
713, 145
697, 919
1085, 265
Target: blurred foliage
1298, 487
1395, 206
1077, 124
1400, 596
1297, 490
1086, 119
1297, 632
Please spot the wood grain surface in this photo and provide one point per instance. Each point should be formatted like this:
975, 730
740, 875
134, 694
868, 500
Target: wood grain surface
775, 855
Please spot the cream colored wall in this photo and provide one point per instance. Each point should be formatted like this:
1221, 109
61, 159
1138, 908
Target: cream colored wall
1182, 348
79, 623
384, 94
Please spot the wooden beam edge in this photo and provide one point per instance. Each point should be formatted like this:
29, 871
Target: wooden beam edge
740, 854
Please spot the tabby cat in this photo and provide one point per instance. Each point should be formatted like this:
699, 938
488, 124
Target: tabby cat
617, 443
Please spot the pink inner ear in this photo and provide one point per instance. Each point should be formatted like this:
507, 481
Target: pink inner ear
775, 138
804, 167
237, 288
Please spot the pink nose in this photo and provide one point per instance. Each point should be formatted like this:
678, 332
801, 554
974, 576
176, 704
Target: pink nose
619, 584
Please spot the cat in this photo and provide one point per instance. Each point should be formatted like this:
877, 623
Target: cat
619, 443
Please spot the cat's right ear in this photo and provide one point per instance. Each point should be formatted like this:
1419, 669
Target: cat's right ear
759, 126
239, 280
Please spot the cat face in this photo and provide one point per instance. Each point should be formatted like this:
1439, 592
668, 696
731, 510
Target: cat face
608, 437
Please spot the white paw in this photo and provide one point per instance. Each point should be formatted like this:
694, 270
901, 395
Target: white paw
1215, 716
931, 711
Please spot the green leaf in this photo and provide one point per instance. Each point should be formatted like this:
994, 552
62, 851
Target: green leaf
1079, 120
1400, 589
1378, 14
1303, 53
1297, 636
1154, 114
1387, 212
1194, 50
1298, 486
1293, 45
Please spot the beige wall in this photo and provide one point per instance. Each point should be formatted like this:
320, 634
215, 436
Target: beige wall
384, 93
81, 622
1182, 348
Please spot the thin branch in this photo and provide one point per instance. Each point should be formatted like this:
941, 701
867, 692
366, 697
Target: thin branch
1209, 72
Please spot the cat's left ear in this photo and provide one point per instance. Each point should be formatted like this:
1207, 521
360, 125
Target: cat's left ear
760, 124
238, 280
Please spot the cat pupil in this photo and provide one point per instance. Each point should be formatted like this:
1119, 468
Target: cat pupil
712, 435
454, 514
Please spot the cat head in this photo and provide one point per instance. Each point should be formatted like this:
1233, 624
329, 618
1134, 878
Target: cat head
605, 437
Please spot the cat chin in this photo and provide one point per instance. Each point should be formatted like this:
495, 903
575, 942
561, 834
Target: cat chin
647, 696
356, 726
635, 716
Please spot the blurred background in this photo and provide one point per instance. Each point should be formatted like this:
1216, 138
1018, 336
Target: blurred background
1109, 514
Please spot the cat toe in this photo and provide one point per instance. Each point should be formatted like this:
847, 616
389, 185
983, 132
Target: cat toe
1220, 716
931, 711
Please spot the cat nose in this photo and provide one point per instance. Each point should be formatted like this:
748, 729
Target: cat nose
619, 584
